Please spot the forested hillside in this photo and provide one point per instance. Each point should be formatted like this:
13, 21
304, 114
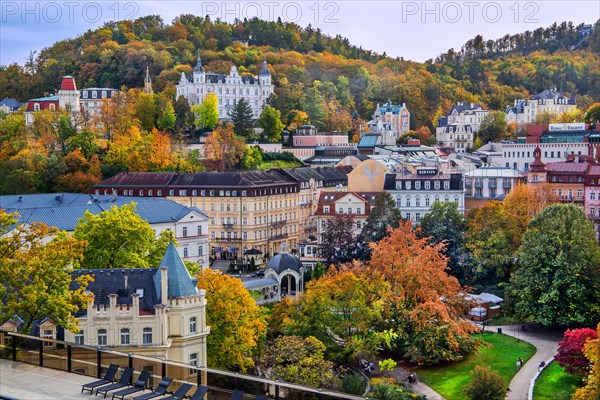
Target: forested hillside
314, 71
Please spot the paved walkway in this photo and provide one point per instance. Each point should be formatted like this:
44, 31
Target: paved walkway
401, 375
546, 343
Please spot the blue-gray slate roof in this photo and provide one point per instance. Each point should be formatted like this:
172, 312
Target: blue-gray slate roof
368, 141
63, 210
179, 280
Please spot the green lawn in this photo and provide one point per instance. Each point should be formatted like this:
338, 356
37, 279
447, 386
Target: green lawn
278, 164
555, 384
450, 379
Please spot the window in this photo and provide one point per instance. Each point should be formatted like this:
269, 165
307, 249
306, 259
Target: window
193, 361
199, 230
79, 338
150, 193
200, 250
427, 201
193, 325
427, 185
194, 193
102, 336
48, 334
358, 224
171, 193
326, 209
417, 217
446, 185
407, 184
125, 336
184, 231
436, 185
185, 251
147, 336
418, 185
160, 192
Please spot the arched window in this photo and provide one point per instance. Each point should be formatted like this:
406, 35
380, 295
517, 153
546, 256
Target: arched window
102, 337
125, 336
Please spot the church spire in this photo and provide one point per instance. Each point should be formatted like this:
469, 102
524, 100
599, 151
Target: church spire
198, 67
148, 82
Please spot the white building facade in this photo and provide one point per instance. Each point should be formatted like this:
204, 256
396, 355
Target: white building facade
229, 88
492, 183
458, 129
548, 101
416, 192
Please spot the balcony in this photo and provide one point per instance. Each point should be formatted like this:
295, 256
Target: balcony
228, 226
310, 227
228, 240
279, 236
278, 223
575, 199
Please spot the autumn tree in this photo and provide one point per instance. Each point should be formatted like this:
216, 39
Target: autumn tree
242, 118
485, 384
297, 360
35, 274
570, 350
313, 104
206, 114
558, 279
270, 122
338, 241
445, 224
342, 309
384, 215
591, 390
252, 158
119, 238
426, 303
237, 324
223, 149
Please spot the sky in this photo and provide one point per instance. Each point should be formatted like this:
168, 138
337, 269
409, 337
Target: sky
414, 30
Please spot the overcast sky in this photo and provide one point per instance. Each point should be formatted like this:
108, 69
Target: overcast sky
415, 30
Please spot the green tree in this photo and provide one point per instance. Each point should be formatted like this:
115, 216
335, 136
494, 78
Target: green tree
35, 276
445, 224
313, 104
297, 360
119, 238
166, 114
206, 114
252, 158
270, 122
183, 114
593, 113
242, 118
485, 384
146, 111
384, 215
237, 325
493, 128
338, 242
558, 280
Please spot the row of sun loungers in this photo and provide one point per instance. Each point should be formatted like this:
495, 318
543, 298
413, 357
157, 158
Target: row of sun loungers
121, 388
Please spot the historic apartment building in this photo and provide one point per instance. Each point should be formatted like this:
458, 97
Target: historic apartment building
548, 101
188, 225
228, 88
416, 189
458, 128
246, 210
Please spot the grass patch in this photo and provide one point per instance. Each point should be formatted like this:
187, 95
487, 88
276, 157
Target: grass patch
554, 383
278, 164
503, 320
450, 379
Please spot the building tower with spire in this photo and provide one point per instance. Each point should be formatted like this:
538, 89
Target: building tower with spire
537, 169
148, 82
229, 88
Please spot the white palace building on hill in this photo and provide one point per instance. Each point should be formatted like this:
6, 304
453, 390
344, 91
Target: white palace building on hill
228, 88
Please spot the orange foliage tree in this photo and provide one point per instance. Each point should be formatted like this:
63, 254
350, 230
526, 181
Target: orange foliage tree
223, 150
426, 304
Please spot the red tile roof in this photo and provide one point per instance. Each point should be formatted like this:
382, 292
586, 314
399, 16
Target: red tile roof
68, 83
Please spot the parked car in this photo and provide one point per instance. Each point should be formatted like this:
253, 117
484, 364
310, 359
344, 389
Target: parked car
258, 274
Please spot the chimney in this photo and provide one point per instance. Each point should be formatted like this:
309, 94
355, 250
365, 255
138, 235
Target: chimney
163, 285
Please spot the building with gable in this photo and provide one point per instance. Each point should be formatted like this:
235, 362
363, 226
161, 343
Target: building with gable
229, 88
395, 117
68, 98
63, 210
551, 101
155, 312
457, 130
9, 104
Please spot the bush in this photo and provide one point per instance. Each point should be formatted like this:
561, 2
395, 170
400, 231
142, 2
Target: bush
570, 351
389, 389
353, 383
485, 385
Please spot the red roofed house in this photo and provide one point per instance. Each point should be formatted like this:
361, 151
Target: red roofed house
67, 98
358, 204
